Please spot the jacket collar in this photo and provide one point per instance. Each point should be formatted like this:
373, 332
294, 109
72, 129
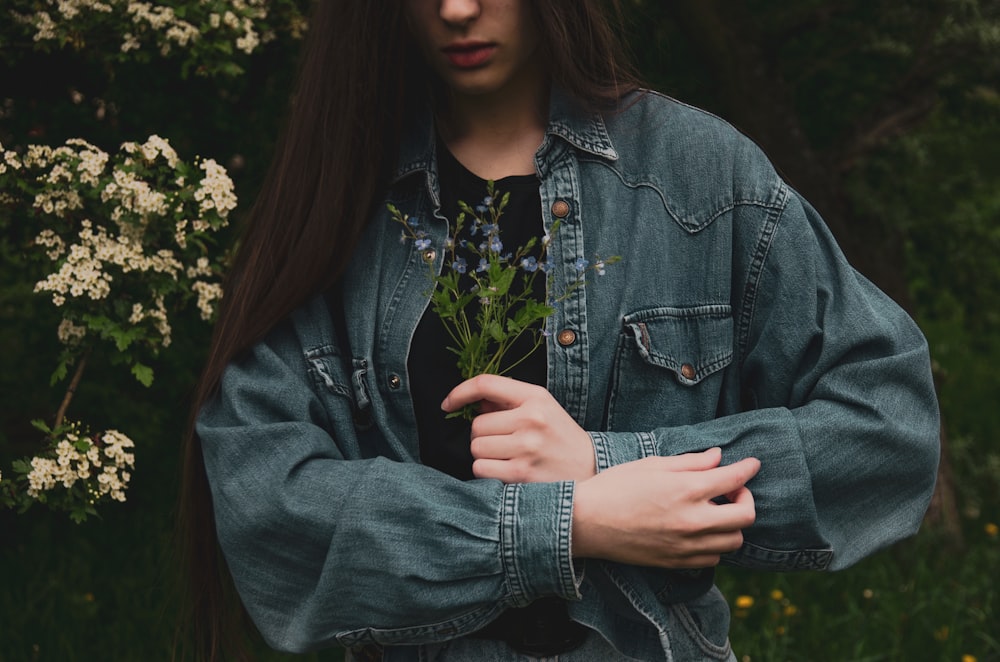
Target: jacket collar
584, 130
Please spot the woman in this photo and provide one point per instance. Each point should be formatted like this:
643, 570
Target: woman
731, 390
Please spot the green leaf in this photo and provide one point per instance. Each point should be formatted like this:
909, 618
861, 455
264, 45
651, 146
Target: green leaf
495, 331
59, 373
39, 424
501, 278
143, 373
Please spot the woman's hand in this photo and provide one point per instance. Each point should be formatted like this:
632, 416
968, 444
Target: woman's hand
522, 434
659, 511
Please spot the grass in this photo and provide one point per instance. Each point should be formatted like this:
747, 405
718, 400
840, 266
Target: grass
925, 599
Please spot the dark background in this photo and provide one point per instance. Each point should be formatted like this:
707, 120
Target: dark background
885, 114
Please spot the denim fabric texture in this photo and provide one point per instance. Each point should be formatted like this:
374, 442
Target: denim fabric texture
733, 320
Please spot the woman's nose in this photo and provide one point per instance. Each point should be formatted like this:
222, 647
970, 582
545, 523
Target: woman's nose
459, 12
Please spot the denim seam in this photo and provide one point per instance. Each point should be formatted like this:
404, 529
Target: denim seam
508, 536
689, 624
647, 444
690, 228
755, 272
567, 575
602, 456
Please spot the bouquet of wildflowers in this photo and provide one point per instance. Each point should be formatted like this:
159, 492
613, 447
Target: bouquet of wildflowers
486, 318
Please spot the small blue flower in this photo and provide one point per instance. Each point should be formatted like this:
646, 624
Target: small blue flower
490, 228
546, 333
459, 265
484, 264
581, 264
496, 245
413, 221
488, 200
529, 264
482, 209
423, 244
474, 229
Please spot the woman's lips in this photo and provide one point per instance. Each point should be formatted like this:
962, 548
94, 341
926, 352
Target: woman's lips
469, 55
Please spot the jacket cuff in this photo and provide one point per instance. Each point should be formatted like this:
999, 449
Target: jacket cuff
535, 541
612, 448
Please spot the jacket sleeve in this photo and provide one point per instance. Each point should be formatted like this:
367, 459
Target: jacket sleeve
326, 550
841, 408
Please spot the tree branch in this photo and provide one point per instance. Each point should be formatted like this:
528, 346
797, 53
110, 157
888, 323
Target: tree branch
71, 390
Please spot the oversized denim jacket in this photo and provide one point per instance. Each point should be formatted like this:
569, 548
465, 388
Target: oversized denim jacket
733, 320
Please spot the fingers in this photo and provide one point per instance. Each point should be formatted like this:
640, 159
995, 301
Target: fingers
730, 478
502, 391
702, 461
494, 448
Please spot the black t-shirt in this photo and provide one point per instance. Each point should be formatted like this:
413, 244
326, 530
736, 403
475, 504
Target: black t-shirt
444, 443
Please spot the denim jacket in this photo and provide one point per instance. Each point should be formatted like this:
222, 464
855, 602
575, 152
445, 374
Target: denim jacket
733, 320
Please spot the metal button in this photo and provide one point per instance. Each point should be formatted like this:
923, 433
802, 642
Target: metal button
394, 381
687, 371
560, 209
429, 255
566, 337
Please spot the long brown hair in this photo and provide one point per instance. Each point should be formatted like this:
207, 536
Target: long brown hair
359, 70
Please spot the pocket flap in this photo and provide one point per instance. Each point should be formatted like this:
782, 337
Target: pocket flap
691, 342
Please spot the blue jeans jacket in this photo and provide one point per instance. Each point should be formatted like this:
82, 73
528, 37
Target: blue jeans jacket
733, 320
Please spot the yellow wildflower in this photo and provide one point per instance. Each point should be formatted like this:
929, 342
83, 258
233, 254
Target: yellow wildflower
744, 602
791, 610
968, 658
992, 530
777, 595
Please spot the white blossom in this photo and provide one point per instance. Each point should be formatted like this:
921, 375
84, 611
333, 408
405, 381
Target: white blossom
216, 190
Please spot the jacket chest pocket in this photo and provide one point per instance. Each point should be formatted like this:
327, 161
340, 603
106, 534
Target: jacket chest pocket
668, 367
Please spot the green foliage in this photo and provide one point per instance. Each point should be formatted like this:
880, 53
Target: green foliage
117, 239
913, 602
211, 38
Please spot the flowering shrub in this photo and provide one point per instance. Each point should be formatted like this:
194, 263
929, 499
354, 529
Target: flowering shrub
76, 473
208, 33
123, 242
485, 319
